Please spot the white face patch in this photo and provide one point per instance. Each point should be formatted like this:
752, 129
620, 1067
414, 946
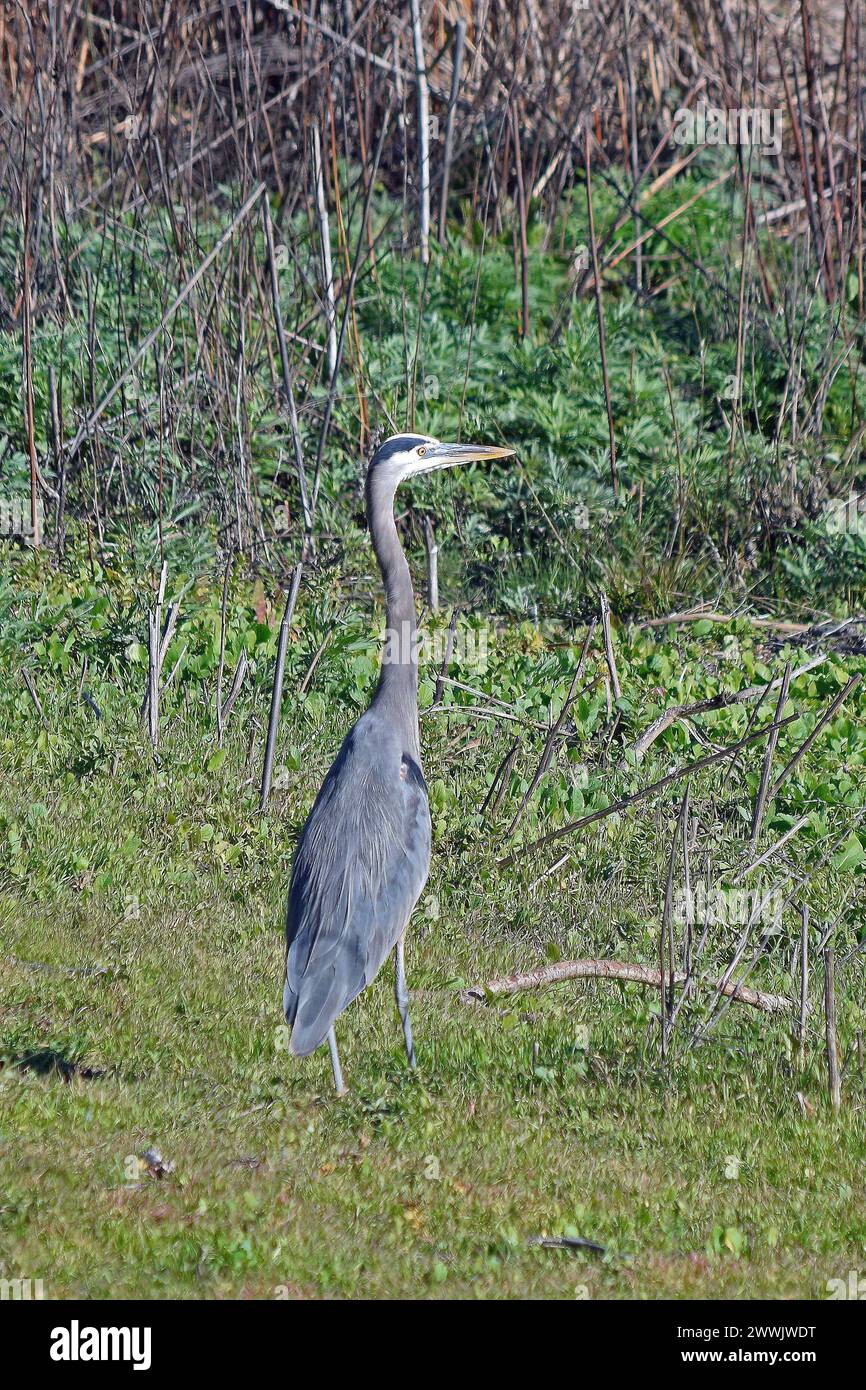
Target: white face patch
404, 462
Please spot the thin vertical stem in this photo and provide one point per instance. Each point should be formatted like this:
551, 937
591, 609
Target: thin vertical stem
423, 95
456, 66
287, 377
599, 309
325, 242
834, 1078
804, 979
521, 218
277, 692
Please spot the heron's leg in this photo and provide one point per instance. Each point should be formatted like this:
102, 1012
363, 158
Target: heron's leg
335, 1062
402, 994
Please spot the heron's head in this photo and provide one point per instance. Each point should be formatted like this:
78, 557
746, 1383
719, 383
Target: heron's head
404, 455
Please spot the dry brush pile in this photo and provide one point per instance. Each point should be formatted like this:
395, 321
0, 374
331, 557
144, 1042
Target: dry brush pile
492, 112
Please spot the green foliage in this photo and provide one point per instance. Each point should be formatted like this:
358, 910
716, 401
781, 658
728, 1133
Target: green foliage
699, 506
141, 899
141, 908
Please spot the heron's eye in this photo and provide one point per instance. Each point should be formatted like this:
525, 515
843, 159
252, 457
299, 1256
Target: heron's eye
421, 451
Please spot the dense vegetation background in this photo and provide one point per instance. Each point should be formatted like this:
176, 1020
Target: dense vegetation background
219, 289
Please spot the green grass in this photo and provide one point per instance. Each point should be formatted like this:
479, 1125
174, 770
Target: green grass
141, 900
547, 1113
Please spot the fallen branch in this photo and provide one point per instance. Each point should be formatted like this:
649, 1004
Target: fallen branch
629, 974
697, 616
727, 697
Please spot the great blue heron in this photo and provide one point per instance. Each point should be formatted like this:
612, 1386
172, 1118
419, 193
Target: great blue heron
364, 853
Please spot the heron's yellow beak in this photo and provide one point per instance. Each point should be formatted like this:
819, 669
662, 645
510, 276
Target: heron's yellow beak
450, 455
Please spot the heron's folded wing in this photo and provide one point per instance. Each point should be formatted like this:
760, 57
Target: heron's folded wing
360, 866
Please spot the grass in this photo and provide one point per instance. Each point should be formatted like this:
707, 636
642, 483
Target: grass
141, 899
141, 918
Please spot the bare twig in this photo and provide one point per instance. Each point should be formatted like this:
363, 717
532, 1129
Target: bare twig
87, 425
608, 645
804, 979
31, 691
599, 309
550, 741
807, 743
288, 391
234, 692
647, 738
762, 799
699, 615
325, 243
432, 550
222, 656
277, 692
496, 790
423, 96
618, 970
446, 658
457, 64
626, 801
774, 849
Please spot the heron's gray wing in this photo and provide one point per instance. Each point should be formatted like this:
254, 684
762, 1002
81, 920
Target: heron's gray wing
360, 866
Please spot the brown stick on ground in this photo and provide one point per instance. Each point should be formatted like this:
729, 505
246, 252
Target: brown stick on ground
620, 970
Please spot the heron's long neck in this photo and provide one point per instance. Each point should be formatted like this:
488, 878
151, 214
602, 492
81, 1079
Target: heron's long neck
398, 683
